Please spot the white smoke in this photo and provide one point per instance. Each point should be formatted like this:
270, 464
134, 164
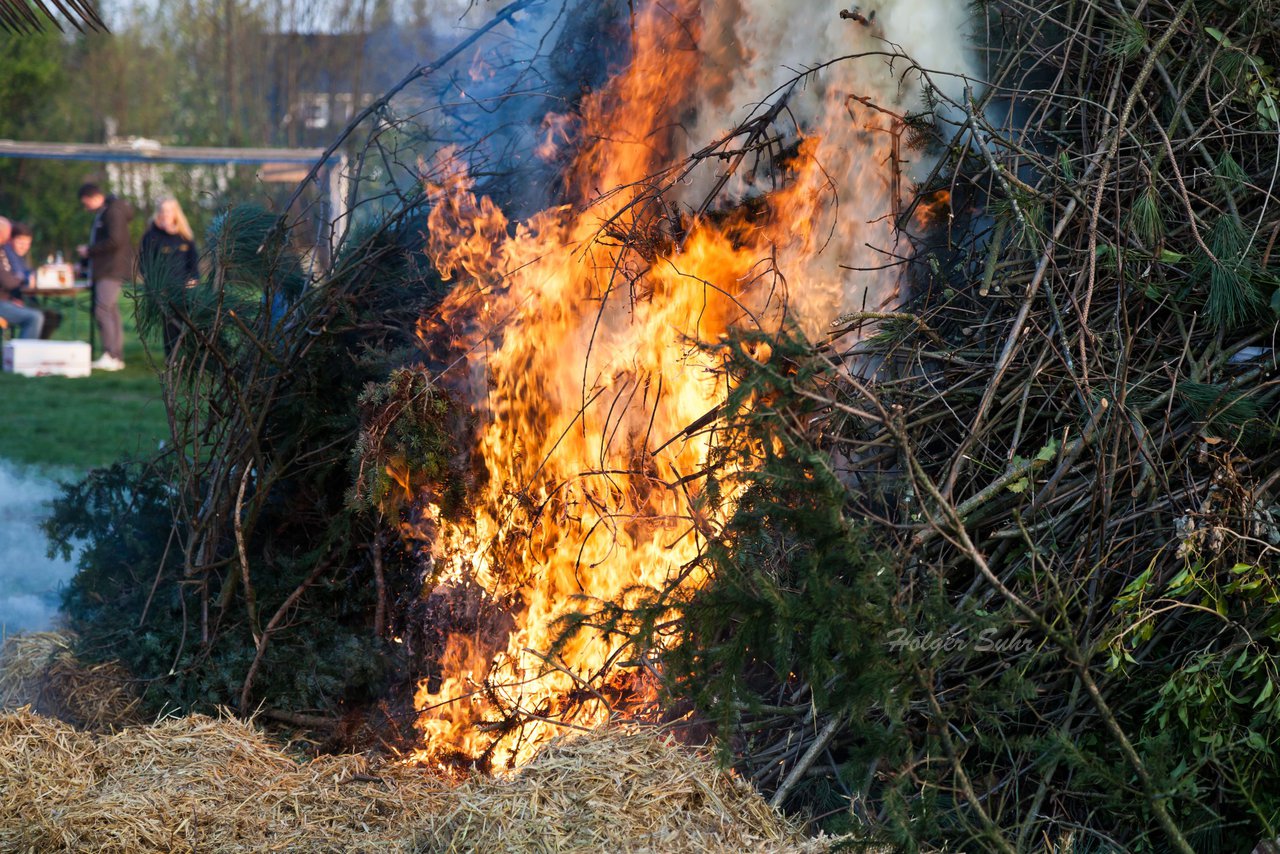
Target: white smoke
849, 258
29, 580
754, 48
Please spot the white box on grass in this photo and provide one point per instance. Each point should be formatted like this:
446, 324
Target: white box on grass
33, 358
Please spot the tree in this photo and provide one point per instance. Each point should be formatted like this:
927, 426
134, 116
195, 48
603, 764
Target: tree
34, 81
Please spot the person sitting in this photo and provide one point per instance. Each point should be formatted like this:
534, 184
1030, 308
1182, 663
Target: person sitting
28, 322
17, 248
168, 261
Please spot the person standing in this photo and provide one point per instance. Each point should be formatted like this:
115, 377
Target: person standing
27, 321
168, 262
110, 256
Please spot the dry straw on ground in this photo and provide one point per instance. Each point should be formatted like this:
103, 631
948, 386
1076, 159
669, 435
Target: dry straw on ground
199, 784
613, 791
192, 784
40, 670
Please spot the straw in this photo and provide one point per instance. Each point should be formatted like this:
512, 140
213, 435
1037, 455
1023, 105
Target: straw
41, 670
614, 790
200, 784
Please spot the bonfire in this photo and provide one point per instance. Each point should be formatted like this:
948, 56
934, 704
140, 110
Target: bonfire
884, 396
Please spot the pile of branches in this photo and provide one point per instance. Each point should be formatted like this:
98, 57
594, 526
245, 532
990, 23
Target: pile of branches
199, 562
1003, 573
258, 562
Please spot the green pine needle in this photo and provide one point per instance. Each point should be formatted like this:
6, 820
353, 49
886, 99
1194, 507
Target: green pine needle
1232, 414
1229, 170
1128, 38
1233, 296
1145, 220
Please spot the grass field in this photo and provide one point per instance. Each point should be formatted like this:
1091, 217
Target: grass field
78, 424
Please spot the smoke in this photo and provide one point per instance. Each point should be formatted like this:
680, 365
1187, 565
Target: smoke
29, 580
511, 101
753, 51
501, 108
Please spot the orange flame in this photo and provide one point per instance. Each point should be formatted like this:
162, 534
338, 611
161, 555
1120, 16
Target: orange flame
592, 374
932, 208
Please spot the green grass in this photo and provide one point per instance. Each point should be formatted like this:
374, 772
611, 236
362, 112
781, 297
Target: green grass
79, 424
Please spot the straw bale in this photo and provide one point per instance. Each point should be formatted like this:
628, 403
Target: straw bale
42, 671
200, 784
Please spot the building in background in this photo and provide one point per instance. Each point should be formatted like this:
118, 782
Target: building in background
320, 81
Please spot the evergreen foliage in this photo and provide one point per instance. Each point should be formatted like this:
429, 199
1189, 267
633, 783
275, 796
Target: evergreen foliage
130, 602
812, 613
245, 517
796, 592
405, 444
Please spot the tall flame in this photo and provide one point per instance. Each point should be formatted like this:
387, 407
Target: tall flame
590, 371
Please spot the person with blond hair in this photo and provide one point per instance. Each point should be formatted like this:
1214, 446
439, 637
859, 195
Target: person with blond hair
168, 261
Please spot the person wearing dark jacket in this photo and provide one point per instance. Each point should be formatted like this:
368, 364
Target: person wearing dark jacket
168, 262
26, 321
110, 256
